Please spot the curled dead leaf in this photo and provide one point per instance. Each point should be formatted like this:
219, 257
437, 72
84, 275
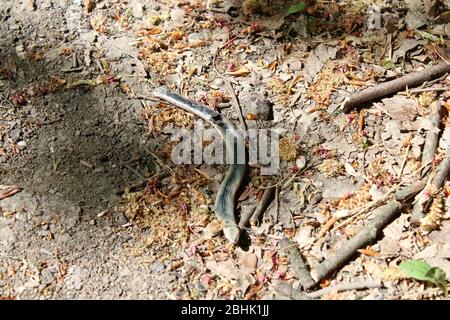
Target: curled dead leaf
176, 264
251, 116
248, 260
447, 105
238, 72
368, 252
149, 31
88, 6
176, 35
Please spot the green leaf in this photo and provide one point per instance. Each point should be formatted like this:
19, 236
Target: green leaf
436, 275
427, 36
416, 269
389, 64
366, 143
420, 270
295, 8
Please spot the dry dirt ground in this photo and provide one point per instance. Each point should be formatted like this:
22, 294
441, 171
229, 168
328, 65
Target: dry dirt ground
102, 213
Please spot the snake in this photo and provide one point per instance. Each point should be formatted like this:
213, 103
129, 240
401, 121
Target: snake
224, 206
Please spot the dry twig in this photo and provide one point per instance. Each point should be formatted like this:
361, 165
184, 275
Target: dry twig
262, 206
386, 88
10, 192
431, 139
368, 233
420, 90
236, 104
368, 284
357, 212
297, 264
436, 183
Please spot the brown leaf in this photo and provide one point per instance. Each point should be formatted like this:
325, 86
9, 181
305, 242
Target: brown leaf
9, 192
406, 48
226, 269
251, 116
399, 108
238, 72
395, 229
317, 59
368, 252
88, 5
248, 260
441, 236
176, 264
274, 22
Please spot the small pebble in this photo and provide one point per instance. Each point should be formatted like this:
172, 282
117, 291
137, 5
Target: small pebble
22, 145
218, 82
300, 162
30, 5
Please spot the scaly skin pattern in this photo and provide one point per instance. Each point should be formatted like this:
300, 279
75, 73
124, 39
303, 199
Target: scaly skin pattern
224, 206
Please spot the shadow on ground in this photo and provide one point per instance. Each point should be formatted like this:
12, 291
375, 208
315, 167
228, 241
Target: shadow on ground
82, 144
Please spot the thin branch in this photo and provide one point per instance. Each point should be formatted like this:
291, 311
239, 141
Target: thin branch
431, 139
386, 88
10, 192
245, 218
436, 183
367, 234
262, 206
443, 172
297, 263
354, 213
368, 284
236, 104
420, 90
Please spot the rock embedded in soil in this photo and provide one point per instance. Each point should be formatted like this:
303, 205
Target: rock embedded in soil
22, 145
29, 5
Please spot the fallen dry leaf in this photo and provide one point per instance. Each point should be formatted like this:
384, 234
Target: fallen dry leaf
238, 72
248, 260
399, 108
88, 5
368, 252
317, 58
9, 192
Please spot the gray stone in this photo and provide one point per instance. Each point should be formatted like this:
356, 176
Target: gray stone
75, 278
48, 275
257, 105
138, 9
22, 145
195, 37
157, 267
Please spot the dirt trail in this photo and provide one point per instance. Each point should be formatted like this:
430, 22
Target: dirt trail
82, 147
77, 131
